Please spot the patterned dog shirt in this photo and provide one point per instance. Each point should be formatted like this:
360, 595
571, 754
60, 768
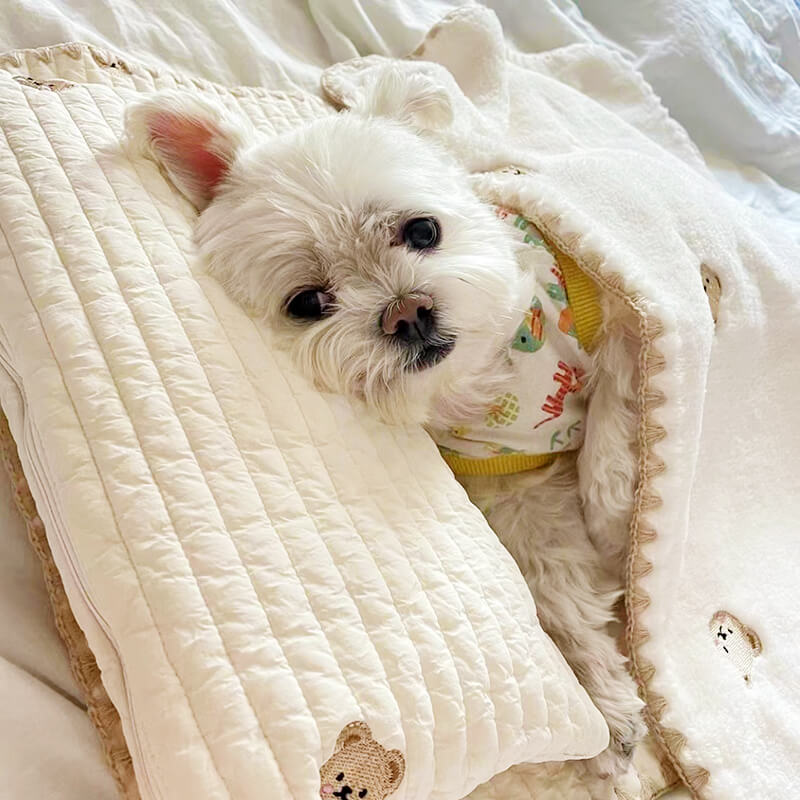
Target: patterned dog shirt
543, 411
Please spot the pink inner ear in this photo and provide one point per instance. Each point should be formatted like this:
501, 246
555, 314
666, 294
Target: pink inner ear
188, 146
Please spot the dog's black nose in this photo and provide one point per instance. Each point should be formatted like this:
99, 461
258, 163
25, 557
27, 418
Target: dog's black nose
344, 792
410, 320
419, 330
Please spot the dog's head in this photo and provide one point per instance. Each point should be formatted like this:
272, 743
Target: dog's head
356, 237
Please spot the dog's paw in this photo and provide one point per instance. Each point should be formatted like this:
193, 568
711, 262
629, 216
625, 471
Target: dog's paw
610, 764
627, 733
615, 762
598, 784
611, 774
628, 786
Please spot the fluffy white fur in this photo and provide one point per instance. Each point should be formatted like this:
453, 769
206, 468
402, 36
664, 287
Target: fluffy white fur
322, 208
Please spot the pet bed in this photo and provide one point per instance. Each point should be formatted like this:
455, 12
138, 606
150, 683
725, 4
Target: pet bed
292, 582
694, 586
741, 56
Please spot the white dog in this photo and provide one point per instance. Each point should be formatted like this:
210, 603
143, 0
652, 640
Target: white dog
362, 243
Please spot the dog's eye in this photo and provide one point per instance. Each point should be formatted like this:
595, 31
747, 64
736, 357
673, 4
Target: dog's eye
340, 776
310, 304
421, 233
362, 793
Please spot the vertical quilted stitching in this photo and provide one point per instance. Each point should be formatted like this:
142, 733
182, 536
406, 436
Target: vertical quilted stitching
167, 505
132, 560
448, 728
354, 531
351, 673
179, 254
230, 527
230, 524
503, 621
440, 611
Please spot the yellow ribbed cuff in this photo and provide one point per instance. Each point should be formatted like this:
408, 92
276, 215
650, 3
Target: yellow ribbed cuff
582, 297
497, 465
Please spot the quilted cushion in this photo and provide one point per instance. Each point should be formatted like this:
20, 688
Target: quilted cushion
255, 565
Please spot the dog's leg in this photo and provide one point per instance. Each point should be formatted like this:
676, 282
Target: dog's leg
538, 517
607, 464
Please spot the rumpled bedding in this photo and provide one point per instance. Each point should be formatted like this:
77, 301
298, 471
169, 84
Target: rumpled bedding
264, 561
744, 54
726, 70
712, 590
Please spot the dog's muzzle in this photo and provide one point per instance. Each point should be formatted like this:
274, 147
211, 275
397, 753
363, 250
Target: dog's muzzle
411, 322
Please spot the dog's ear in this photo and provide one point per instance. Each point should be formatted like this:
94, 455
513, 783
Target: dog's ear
413, 98
193, 140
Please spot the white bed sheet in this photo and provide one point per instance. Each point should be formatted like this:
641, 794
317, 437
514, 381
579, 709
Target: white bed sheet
726, 69
48, 745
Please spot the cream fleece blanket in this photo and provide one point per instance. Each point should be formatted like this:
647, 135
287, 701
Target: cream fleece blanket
712, 595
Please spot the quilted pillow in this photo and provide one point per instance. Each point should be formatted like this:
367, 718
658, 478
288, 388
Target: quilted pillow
276, 588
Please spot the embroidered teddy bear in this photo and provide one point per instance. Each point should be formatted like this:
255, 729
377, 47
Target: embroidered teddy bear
739, 642
360, 767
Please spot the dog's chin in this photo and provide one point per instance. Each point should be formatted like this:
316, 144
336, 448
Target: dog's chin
408, 398
430, 355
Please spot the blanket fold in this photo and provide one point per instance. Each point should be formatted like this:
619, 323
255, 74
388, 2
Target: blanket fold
617, 185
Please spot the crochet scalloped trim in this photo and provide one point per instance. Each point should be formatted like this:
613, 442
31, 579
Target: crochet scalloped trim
650, 432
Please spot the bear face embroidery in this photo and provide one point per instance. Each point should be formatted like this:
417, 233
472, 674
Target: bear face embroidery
360, 767
736, 641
